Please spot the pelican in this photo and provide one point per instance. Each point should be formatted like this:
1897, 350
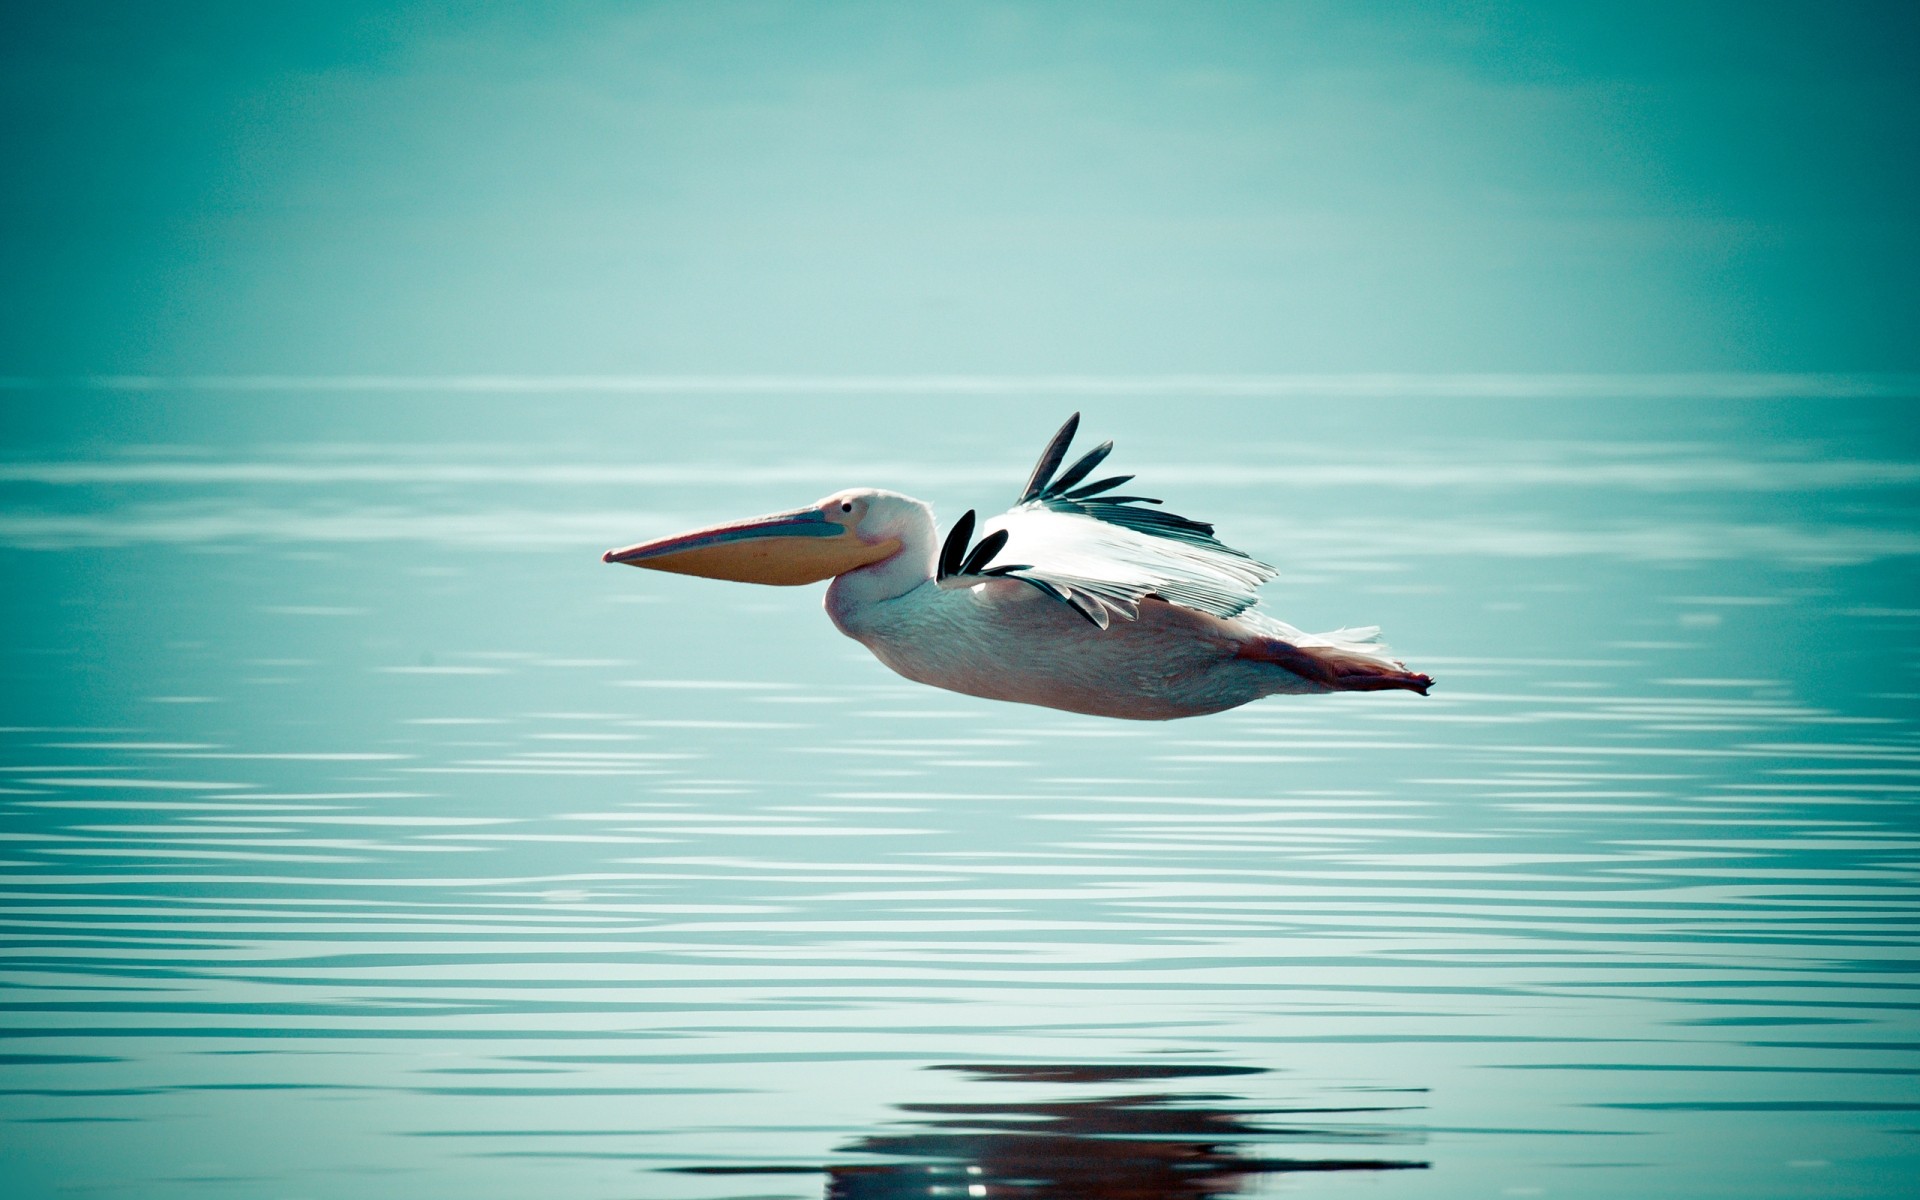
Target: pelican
1075, 598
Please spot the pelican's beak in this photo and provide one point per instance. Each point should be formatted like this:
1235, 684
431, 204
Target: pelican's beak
802, 546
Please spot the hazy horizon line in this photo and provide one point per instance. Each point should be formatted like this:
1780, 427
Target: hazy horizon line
1380, 384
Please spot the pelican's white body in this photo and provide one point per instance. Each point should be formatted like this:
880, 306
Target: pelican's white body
1076, 598
1005, 640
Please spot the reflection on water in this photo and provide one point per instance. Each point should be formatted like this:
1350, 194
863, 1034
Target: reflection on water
360, 832
1103, 1147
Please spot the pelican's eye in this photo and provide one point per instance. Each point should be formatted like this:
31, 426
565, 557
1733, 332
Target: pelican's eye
846, 506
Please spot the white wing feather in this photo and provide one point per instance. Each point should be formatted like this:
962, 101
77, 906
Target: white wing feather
1103, 554
1115, 568
1098, 552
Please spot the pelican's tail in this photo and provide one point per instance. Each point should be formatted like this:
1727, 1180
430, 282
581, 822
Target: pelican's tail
1346, 660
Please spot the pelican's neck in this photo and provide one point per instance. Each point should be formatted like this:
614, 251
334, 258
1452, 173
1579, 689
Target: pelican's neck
852, 594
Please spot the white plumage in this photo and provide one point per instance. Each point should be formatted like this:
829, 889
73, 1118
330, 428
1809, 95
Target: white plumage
1119, 567
1076, 598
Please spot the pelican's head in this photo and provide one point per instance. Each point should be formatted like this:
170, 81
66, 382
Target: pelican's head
844, 532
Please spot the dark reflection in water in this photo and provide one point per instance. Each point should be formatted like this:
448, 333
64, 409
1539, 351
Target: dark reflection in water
1135, 1145
357, 823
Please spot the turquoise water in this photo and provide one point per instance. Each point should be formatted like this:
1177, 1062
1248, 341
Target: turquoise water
364, 834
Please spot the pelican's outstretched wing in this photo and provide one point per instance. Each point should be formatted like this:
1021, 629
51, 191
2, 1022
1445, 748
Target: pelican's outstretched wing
1103, 554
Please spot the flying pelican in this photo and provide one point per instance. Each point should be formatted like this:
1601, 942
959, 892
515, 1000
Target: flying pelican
1074, 598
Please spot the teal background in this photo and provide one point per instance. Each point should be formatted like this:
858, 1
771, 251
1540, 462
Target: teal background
343, 188
361, 833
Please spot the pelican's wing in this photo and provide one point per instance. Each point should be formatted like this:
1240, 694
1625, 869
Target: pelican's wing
1103, 554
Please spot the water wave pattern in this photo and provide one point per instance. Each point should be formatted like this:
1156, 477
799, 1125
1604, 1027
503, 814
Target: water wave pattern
1563, 385
447, 866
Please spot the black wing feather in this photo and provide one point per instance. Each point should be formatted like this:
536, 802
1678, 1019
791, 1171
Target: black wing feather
1094, 489
983, 553
1043, 488
957, 560
1081, 469
1050, 460
955, 547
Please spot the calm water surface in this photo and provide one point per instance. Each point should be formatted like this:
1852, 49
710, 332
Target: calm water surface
364, 834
